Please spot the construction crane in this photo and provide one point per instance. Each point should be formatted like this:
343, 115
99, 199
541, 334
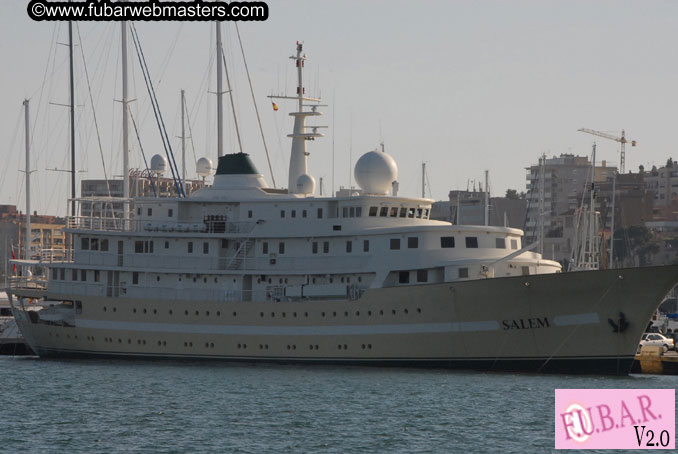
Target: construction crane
622, 140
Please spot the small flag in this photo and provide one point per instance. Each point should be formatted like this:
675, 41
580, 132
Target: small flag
275, 106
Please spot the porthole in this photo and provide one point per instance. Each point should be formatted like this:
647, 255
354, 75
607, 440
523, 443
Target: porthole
139, 341
114, 309
261, 314
219, 314
211, 344
134, 311
288, 346
239, 346
159, 343
261, 347
186, 312
283, 314
419, 310
345, 347
190, 344
294, 347
322, 313
144, 311
155, 311
119, 341
129, 341
369, 346
265, 346
294, 314
334, 314
185, 344
272, 314
216, 280
381, 312
204, 279
104, 308
143, 342
305, 314
369, 312
345, 313
197, 312
393, 311
339, 346
357, 313
207, 313
164, 343
406, 311
363, 346
170, 311
157, 278
207, 344
316, 347
244, 345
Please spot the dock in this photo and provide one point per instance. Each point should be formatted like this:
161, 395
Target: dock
652, 360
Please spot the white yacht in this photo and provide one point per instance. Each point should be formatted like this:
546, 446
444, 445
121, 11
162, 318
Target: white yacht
239, 271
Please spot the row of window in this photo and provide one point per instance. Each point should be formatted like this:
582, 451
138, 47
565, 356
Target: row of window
94, 244
59, 274
402, 212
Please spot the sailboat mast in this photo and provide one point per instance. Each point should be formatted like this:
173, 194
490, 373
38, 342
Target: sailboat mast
27, 240
125, 123
72, 92
220, 93
183, 138
487, 198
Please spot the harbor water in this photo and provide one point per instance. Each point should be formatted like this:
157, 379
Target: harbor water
59, 406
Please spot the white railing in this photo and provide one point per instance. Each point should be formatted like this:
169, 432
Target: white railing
28, 282
115, 224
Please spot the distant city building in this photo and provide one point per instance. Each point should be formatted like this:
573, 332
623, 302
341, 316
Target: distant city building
470, 206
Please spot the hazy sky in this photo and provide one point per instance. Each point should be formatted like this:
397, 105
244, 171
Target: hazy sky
464, 86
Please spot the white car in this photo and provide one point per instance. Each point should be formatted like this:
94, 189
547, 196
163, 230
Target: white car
656, 339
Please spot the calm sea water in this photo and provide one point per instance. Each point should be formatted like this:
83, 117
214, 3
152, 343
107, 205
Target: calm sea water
50, 406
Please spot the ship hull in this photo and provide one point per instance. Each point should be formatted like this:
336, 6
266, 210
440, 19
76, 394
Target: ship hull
583, 322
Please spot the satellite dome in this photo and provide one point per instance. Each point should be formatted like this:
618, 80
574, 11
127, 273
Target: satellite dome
158, 164
375, 171
305, 184
204, 167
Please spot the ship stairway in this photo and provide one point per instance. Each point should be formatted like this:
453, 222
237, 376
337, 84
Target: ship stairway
238, 259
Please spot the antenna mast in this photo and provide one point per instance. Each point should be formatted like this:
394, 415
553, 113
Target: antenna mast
299, 155
27, 241
72, 83
125, 124
220, 92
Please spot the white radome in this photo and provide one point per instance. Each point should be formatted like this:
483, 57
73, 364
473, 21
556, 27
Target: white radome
375, 171
158, 164
305, 184
204, 167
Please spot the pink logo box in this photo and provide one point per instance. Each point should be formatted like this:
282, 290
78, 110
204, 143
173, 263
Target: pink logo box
615, 418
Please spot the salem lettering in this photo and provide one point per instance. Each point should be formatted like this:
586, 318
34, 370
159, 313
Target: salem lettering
526, 323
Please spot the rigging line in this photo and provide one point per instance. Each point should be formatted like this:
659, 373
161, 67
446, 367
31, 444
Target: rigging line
230, 94
11, 147
190, 132
158, 114
136, 131
256, 109
94, 113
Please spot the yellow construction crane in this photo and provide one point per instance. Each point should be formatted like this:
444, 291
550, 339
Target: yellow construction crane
622, 140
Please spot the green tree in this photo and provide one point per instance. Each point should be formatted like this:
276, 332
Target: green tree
511, 194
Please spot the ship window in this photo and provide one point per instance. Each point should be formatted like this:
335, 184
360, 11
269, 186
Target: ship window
336, 227
366, 245
62, 274
294, 213
410, 212
138, 211
84, 244
205, 247
74, 275
419, 212
446, 241
94, 244
463, 273
150, 211
373, 211
320, 213
514, 244
413, 242
395, 243
403, 212
501, 243
471, 242
349, 246
139, 247
426, 212
83, 275
190, 247
344, 212
264, 247
104, 245
404, 277
358, 212
282, 213
135, 278
394, 212
170, 212
281, 248
166, 244
304, 213
224, 243
249, 213
96, 276
55, 274
315, 247
422, 275
351, 212
383, 212
326, 247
